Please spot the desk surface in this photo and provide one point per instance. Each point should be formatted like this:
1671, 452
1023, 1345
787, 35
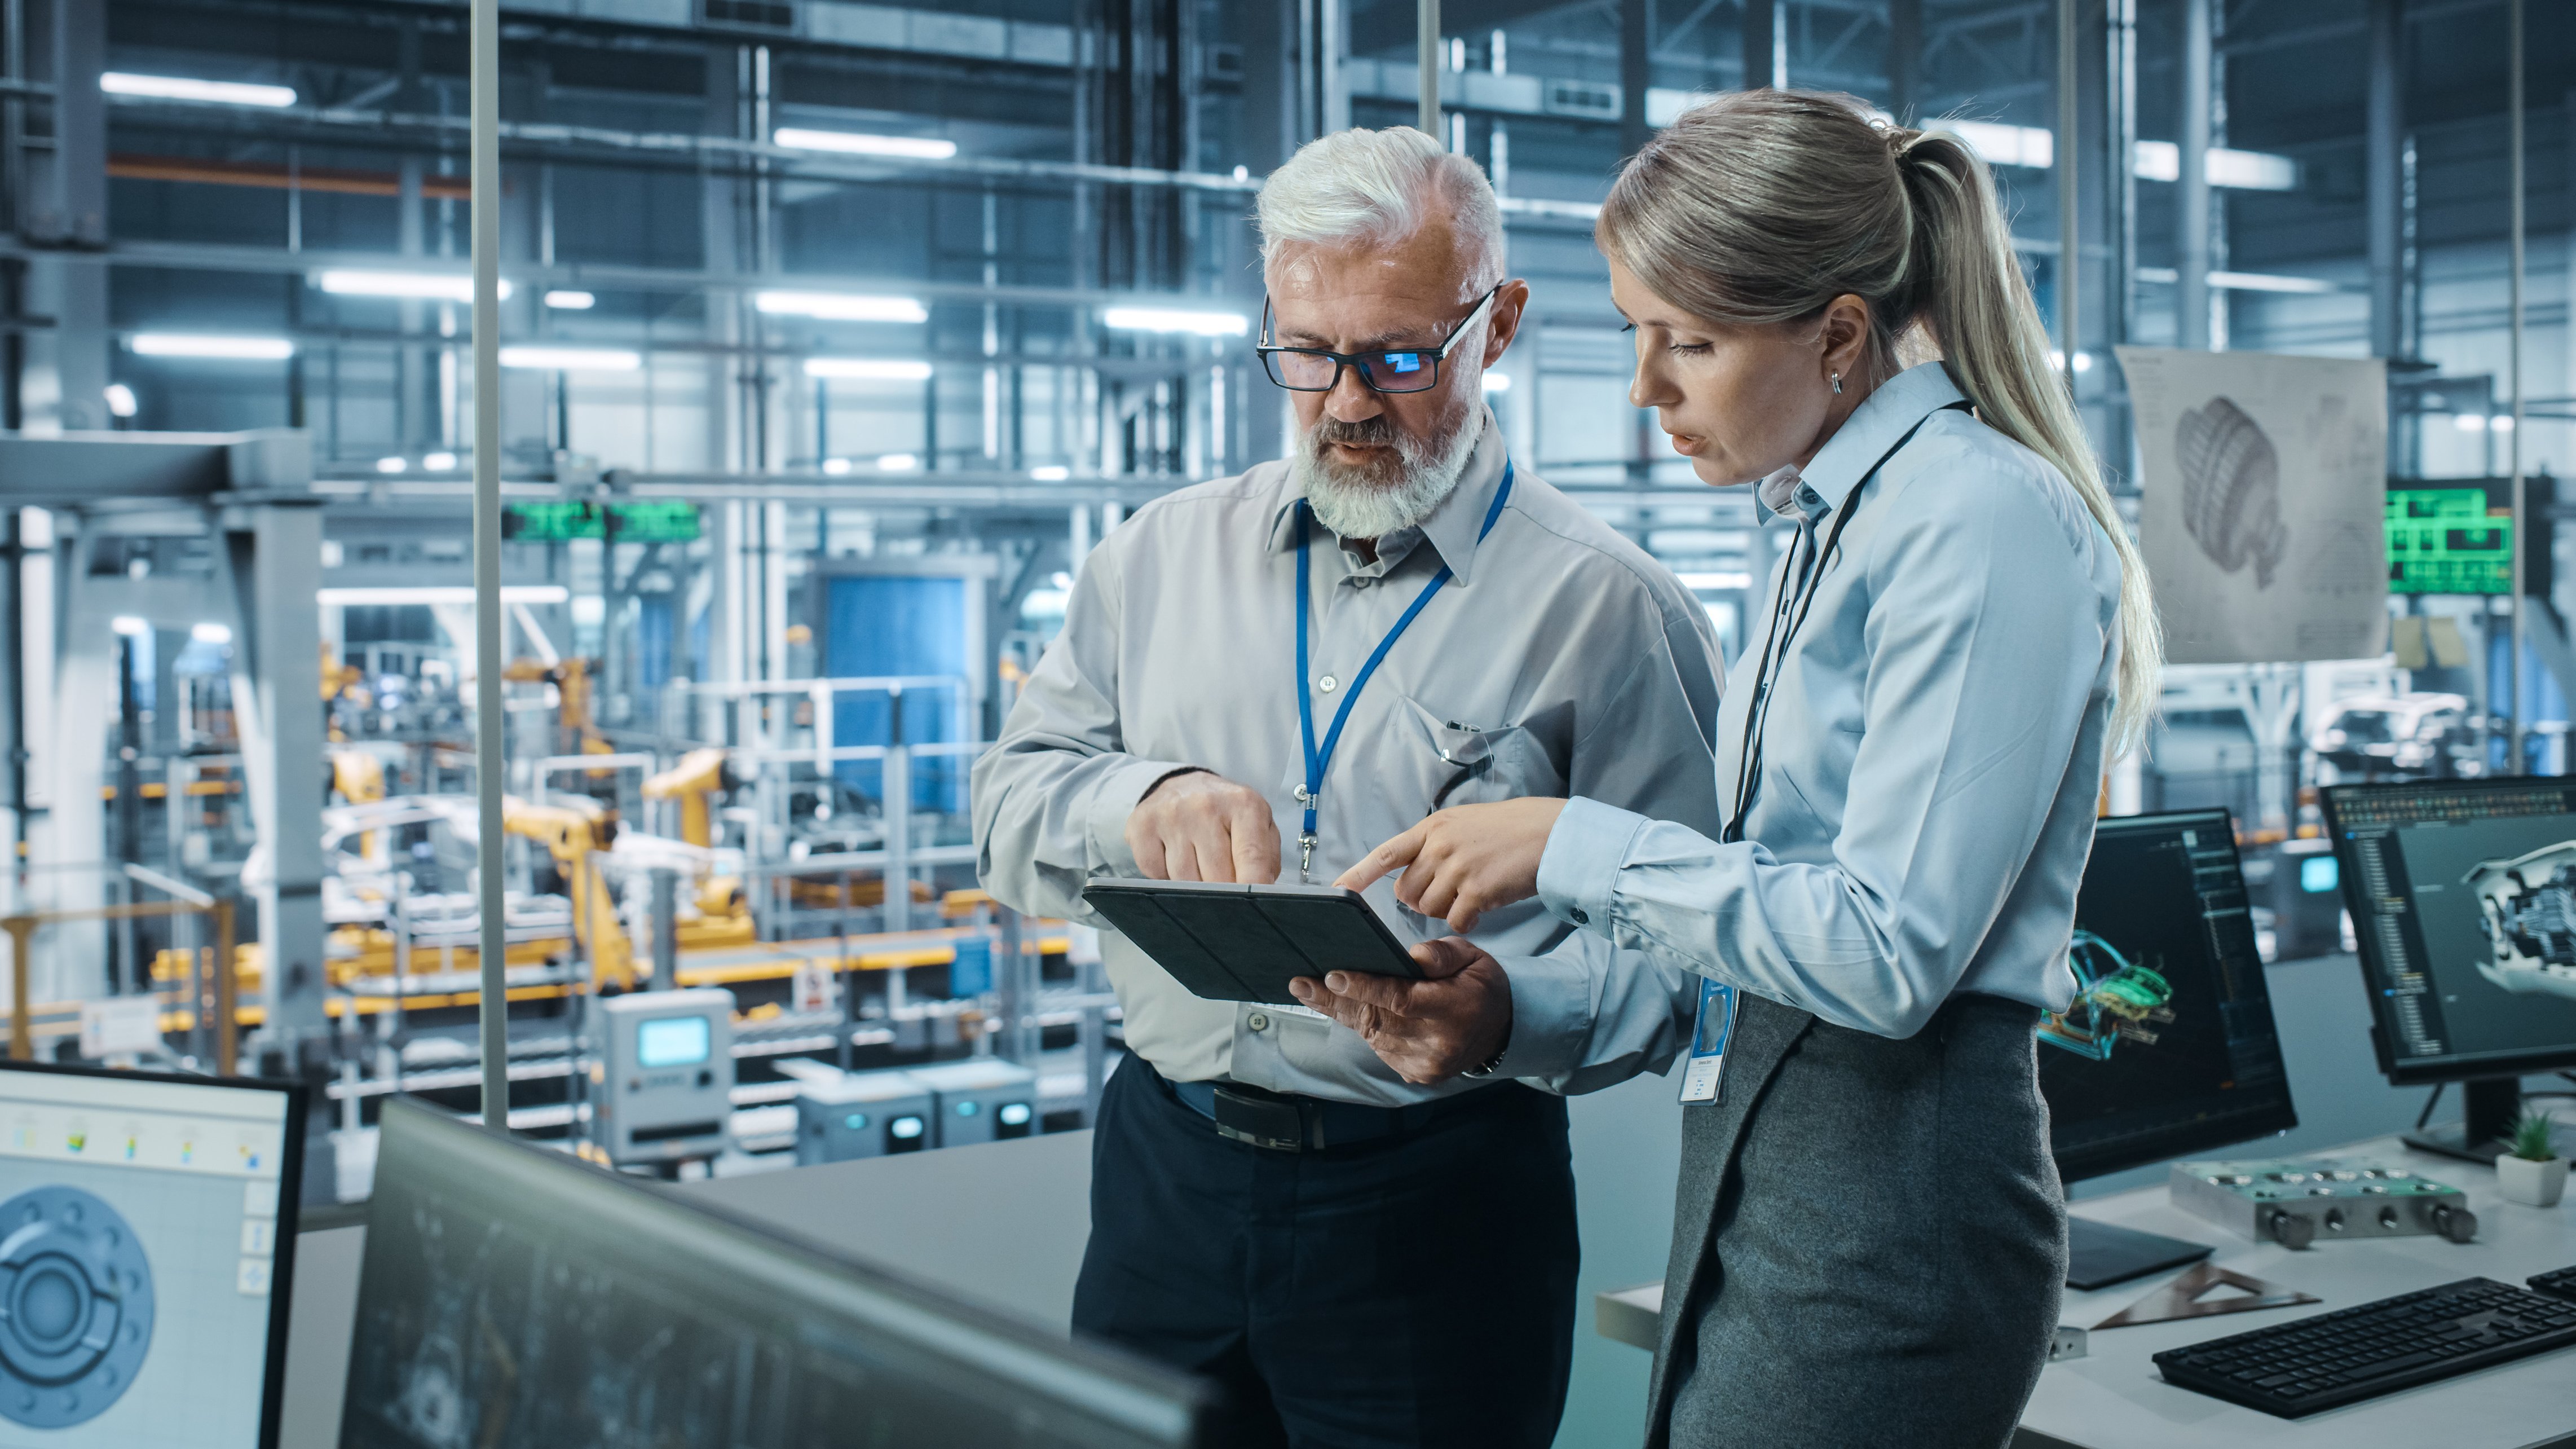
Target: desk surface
2114, 1399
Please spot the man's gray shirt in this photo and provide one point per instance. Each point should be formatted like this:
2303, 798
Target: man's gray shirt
1560, 660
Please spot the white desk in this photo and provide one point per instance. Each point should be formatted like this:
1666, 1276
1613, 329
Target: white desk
2114, 1399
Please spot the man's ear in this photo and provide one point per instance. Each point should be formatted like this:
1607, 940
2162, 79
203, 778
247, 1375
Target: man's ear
1505, 323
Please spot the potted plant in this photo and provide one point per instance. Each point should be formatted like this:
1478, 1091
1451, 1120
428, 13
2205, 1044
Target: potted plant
2531, 1172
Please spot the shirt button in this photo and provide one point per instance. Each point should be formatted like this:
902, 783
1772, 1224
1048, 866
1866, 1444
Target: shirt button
1362, 582
1328, 684
1580, 918
1258, 1022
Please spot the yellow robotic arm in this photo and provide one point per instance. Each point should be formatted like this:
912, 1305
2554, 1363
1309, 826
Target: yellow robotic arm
572, 829
699, 774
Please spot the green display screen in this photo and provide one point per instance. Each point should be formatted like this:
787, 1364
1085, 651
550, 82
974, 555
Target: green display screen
657, 521
662, 520
550, 522
2445, 541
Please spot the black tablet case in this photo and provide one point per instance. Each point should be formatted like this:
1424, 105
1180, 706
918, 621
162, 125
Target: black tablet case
1230, 942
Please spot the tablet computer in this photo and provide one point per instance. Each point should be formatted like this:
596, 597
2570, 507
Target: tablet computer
1231, 942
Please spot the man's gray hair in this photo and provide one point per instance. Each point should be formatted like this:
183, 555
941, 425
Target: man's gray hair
1377, 188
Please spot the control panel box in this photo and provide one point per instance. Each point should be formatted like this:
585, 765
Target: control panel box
861, 1114
662, 1079
2301, 1201
981, 1099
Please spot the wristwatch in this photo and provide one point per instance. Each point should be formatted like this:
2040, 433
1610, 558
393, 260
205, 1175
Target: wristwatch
1486, 1068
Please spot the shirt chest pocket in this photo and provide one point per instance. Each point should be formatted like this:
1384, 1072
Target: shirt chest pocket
1459, 761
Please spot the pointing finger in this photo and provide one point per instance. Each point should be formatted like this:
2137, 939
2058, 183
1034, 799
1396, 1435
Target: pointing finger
1394, 855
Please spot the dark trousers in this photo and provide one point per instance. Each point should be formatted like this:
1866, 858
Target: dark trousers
1417, 1289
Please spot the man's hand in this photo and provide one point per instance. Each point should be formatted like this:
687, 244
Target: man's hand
1431, 1030
1203, 826
1466, 860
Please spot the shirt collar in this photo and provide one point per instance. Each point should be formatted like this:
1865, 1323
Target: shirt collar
1865, 436
1452, 528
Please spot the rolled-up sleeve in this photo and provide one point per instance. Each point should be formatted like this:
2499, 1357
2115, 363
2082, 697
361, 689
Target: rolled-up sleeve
1587, 1015
1051, 798
1979, 603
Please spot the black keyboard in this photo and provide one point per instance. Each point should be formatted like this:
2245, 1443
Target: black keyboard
2337, 1358
2557, 1283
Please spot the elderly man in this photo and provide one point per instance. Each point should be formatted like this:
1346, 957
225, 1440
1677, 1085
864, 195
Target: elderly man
1404, 1273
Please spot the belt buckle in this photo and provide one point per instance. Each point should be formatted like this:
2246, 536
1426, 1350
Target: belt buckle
1276, 1125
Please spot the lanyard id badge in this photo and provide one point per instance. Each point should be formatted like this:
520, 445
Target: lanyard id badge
1716, 1022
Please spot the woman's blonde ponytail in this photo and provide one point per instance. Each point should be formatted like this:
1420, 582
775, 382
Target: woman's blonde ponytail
1760, 207
1979, 312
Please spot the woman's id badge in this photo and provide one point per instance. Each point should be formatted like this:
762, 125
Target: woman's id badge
1708, 1041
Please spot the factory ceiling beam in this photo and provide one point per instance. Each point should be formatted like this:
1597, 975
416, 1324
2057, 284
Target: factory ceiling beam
693, 151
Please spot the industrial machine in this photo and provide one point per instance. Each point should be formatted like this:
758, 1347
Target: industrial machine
861, 1114
662, 1074
574, 829
981, 1099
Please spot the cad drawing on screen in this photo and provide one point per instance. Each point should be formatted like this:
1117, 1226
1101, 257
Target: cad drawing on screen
2527, 906
2114, 998
75, 1307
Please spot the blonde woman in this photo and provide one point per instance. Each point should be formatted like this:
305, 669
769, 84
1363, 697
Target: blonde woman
1870, 1235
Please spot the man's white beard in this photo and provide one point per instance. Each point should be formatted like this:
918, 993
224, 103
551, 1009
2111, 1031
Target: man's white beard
1367, 502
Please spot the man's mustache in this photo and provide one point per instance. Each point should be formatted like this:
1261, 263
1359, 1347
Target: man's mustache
1374, 432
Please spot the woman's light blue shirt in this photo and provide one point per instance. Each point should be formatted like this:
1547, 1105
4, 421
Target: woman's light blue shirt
1933, 755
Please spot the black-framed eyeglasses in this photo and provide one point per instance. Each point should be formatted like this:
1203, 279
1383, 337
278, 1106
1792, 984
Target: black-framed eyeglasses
1312, 369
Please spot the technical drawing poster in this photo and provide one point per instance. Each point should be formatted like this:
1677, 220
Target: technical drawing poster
2265, 483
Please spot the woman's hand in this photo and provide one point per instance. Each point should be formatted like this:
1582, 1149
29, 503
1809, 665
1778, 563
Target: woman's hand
1465, 860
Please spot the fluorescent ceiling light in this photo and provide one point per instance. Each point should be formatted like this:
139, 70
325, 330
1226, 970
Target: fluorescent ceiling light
121, 401
188, 88
2243, 170
2057, 361
565, 300
836, 467
898, 463
1498, 382
2269, 282
1050, 472
1174, 319
438, 594
1724, 580
2469, 422
2003, 145
439, 462
435, 286
198, 344
130, 625
392, 465
872, 369
859, 143
573, 359
842, 306
211, 633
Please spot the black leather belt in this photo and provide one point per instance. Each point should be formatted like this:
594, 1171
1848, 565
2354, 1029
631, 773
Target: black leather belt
1286, 1123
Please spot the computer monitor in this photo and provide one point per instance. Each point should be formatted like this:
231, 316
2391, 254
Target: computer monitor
2168, 1048
513, 1297
2463, 902
147, 1243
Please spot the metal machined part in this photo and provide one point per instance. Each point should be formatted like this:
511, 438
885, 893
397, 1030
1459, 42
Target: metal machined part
75, 1307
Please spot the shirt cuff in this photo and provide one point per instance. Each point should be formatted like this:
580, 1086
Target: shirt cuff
1551, 1016
1113, 799
1578, 874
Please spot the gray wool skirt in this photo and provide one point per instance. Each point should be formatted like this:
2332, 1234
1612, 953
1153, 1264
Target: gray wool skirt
1869, 1241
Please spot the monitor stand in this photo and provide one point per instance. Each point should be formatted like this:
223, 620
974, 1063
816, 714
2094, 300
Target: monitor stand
2099, 1255
2490, 1104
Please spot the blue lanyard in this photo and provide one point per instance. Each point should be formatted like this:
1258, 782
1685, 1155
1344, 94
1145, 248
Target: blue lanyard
1318, 761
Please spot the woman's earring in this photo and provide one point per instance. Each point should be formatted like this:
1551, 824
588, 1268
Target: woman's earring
1838, 383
